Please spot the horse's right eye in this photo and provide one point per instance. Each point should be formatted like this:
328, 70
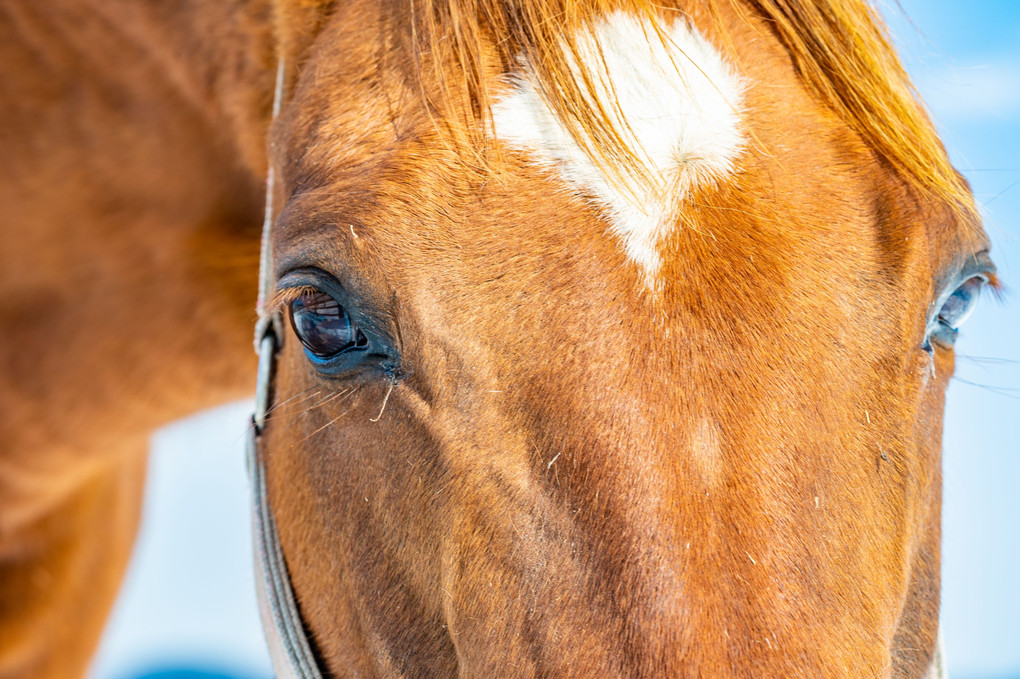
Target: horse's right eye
323, 326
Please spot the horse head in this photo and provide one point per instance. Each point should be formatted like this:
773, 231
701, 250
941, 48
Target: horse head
614, 340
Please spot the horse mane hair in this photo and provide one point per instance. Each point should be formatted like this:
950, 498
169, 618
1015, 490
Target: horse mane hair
839, 47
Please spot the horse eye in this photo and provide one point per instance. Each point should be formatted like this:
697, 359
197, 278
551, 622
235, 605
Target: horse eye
323, 326
955, 310
958, 307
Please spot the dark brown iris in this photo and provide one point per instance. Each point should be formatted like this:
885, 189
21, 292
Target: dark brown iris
323, 326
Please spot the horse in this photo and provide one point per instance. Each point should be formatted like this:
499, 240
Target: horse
596, 338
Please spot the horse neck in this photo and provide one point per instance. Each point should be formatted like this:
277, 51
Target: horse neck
139, 154
221, 58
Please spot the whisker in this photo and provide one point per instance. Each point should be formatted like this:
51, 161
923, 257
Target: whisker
999, 194
278, 406
307, 394
328, 424
328, 399
331, 422
386, 399
990, 360
1007, 392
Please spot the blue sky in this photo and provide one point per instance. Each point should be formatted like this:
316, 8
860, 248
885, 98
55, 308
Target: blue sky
188, 599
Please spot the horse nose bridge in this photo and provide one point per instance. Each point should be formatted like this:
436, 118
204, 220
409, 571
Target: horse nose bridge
611, 484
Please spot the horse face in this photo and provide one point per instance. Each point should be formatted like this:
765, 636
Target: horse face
502, 439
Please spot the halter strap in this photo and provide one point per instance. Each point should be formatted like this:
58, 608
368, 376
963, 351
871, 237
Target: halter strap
286, 639
281, 621
266, 255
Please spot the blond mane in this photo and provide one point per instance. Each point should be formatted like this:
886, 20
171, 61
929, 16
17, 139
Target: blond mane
839, 47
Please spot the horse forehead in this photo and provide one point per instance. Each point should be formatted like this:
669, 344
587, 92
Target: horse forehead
685, 111
673, 96
676, 101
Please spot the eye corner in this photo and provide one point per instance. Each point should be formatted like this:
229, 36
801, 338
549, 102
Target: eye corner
942, 335
982, 267
995, 285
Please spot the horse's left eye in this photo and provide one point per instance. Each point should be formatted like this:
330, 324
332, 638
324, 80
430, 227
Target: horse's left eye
323, 326
961, 303
955, 310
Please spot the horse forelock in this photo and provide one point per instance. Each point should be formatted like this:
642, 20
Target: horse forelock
562, 52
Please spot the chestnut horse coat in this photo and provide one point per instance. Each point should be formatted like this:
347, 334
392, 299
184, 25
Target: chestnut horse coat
611, 337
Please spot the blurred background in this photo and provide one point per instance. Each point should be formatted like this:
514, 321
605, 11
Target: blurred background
187, 609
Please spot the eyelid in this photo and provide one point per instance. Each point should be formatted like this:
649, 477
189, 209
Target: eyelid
296, 282
284, 297
980, 265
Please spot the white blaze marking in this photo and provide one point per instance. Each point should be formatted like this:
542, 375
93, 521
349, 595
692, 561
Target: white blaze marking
676, 103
